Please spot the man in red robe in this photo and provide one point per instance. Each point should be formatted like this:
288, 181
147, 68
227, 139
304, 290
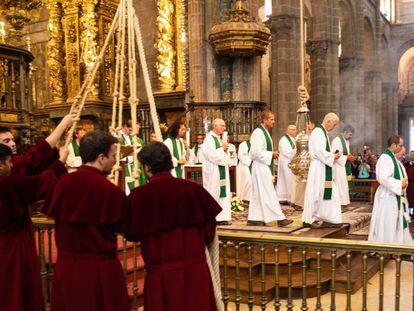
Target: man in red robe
174, 219
20, 284
39, 157
88, 210
409, 167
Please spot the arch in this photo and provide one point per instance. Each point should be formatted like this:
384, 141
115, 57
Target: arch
369, 45
406, 75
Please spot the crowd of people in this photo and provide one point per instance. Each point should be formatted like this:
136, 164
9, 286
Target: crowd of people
173, 218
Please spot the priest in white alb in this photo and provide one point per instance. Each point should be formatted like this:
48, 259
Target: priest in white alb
389, 223
342, 173
175, 144
287, 150
322, 207
243, 173
216, 177
264, 204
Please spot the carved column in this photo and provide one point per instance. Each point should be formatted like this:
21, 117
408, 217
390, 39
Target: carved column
55, 55
181, 39
197, 46
71, 26
165, 45
89, 43
285, 67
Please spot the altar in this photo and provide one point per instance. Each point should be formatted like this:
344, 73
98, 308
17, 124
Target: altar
194, 173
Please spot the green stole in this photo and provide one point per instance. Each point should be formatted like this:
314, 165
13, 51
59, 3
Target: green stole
128, 166
398, 177
269, 147
196, 147
142, 177
348, 164
327, 192
75, 147
290, 141
222, 171
249, 145
179, 167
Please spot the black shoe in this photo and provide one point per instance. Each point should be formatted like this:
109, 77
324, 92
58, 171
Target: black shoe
284, 202
223, 223
306, 225
255, 223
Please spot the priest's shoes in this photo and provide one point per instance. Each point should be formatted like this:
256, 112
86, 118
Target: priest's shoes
255, 223
223, 223
326, 224
284, 222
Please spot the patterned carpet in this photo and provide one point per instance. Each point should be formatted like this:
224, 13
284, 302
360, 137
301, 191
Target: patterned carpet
358, 217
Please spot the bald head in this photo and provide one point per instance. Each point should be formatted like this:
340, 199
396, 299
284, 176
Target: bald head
218, 126
291, 130
330, 121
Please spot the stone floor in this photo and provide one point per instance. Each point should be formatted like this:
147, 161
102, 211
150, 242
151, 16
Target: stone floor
372, 297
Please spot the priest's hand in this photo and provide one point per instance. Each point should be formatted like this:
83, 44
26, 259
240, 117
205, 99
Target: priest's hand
275, 154
404, 183
182, 161
63, 154
337, 156
225, 146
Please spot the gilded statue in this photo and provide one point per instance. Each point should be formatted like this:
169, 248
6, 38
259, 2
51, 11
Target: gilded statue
165, 45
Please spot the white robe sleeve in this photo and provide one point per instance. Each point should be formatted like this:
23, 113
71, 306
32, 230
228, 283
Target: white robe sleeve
73, 161
191, 158
337, 145
243, 154
168, 143
258, 148
213, 155
285, 149
319, 147
385, 175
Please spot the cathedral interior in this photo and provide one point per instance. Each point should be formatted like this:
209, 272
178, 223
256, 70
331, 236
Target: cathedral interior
230, 59
359, 63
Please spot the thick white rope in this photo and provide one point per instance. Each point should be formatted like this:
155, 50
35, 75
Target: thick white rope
212, 257
80, 99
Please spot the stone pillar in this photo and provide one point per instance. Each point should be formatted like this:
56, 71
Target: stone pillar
56, 55
254, 63
285, 67
197, 46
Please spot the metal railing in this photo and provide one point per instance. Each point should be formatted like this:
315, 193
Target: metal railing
277, 272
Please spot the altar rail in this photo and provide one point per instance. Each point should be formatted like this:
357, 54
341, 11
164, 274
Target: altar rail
244, 254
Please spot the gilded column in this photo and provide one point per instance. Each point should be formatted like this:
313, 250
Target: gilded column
165, 45
89, 40
55, 54
197, 49
181, 39
71, 27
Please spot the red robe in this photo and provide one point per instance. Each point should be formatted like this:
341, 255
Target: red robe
174, 219
409, 167
88, 210
20, 284
34, 160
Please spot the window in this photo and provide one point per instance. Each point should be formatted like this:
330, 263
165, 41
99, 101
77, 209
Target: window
387, 8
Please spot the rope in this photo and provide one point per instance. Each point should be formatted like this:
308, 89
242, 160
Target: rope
212, 257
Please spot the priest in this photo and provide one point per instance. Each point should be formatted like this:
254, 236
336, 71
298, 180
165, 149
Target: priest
88, 210
216, 177
342, 172
175, 144
20, 284
39, 157
243, 173
287, 150
389, 223
74, 160
174, 228
196, 155
321, 196
264, 203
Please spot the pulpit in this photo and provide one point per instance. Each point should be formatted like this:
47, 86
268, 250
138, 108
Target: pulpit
194, 173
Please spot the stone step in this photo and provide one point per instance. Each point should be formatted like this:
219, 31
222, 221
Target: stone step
269, 286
